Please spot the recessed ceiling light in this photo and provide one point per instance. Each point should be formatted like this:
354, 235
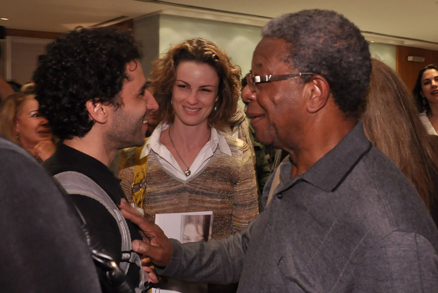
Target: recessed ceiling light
4, 18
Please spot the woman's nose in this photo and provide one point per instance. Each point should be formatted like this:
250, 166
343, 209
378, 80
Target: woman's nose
44, 121
192, 98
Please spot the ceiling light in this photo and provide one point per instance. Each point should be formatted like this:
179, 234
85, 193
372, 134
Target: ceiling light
4, 18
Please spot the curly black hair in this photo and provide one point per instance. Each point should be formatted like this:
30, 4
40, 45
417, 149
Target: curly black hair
85, 64
325, 42
417, 92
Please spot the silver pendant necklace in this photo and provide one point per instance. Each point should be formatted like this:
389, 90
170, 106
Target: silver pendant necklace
187, 171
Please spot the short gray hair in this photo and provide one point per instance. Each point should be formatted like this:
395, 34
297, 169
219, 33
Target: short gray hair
325, 42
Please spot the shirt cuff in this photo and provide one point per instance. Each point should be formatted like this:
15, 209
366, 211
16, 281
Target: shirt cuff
172, 267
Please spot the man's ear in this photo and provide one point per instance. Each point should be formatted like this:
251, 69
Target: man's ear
319, 93
97, 111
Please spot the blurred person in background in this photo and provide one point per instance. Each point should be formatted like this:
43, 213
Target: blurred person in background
43, 247
426, 95
22, 123
392, 125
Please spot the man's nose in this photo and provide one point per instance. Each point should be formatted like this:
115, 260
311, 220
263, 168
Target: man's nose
152, 104
247, 95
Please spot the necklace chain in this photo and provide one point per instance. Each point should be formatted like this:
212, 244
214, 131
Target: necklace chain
187, 171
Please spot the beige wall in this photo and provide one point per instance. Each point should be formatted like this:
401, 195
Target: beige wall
157, 33
385, 53
409, 70
24, 57
239, 41
146, 31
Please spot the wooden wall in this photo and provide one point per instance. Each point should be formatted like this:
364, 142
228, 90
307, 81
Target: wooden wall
24, 48
127, 24
407, 70
32, 34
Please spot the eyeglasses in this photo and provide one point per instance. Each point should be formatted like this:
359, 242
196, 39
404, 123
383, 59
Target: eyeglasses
254, 80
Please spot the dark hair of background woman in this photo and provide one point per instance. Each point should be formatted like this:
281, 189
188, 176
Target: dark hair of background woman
417, 91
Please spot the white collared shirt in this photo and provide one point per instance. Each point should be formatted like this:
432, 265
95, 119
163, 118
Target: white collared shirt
217, 142
427, 124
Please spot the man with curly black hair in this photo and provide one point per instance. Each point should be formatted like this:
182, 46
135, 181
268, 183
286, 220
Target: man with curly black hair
91, 88
339, 216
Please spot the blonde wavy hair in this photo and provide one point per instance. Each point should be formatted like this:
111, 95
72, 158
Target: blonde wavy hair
9, 110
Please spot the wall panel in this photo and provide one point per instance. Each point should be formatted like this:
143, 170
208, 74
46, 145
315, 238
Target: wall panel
407, 70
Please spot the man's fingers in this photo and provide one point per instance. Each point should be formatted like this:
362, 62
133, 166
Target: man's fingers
142, 247
152, 275
131, 208
142, 223
157, 254
157, 247
124, 205
134, 216
150, 230
145, 261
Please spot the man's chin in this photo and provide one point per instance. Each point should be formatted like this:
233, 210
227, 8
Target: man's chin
139, 142
265, 139
133, 143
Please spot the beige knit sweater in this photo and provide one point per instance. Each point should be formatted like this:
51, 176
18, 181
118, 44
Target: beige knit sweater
226, 186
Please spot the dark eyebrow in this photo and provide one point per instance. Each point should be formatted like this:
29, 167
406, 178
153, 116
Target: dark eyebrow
144, 87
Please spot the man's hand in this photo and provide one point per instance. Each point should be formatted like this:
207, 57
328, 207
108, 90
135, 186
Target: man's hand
149, 268
157, 246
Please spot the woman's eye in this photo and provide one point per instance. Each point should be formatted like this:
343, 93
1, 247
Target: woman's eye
182, 86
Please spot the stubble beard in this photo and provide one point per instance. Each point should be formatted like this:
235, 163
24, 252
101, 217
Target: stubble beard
124, 136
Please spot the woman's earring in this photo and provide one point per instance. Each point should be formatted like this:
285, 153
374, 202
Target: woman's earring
215, 108
424, 101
